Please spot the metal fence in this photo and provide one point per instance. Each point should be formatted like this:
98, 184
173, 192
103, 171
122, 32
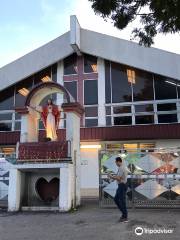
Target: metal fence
5, 161
153, 177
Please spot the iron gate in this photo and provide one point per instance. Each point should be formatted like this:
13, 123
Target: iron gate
153, 177
5, 162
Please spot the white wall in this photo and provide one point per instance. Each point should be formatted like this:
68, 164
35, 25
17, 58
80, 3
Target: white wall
89, 172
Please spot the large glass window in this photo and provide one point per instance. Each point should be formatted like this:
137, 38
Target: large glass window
7, 99
90, 92
70, 65
165, 88
121, 87
142, 86
72, 88
90, 64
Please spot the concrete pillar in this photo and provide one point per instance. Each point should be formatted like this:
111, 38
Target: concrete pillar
65, 191
73, 135
29, 128
101, 92
14, 192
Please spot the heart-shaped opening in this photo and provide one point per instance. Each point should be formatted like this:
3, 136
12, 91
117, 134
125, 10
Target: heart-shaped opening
47, 191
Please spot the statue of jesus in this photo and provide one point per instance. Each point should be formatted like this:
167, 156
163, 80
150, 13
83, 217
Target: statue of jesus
50, 115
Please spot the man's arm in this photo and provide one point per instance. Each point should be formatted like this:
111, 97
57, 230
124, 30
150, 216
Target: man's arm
115, 177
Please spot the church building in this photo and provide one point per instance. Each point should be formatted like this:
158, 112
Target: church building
130, 94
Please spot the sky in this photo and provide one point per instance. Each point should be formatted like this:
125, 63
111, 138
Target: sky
27, 25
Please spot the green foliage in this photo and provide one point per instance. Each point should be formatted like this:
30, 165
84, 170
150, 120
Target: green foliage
156, 16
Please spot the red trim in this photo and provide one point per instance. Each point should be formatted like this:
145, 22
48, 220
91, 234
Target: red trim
73, 107
145, 132
22, 110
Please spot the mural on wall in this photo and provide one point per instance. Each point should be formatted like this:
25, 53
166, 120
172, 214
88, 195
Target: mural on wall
151, 175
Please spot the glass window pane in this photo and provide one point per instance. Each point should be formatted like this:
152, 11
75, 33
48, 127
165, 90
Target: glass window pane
5, 116
91, 122
145, 119
108, 110
144, 108
5, 126
54, 72
90, 63
108, 121
17, 116
7, 99
91, 111
107, 82
143, 86
165, 88
70, 65
167, 118
122, 109
17, 126
72, 88
166, 107
22, 90
121, 88
122, 120
90, 92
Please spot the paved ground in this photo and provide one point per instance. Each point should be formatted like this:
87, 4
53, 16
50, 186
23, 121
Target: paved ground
88, 223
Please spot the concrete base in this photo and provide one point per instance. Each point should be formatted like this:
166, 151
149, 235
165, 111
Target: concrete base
17, 186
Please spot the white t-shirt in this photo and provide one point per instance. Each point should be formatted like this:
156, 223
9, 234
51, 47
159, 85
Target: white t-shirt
122, 172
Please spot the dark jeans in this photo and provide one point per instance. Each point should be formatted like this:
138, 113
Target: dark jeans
120, 199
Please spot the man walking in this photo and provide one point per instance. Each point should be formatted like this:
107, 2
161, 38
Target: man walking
120, 197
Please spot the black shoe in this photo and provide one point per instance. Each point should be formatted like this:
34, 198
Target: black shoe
122, 219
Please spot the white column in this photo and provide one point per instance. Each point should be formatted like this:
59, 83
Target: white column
14, 192
65, 191
29, 128
101, 92
60, 100
73, 135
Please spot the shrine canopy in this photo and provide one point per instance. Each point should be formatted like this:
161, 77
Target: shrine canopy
38, 93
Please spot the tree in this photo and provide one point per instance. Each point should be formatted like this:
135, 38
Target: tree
155, 16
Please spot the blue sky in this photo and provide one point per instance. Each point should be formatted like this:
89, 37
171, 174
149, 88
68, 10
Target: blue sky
26, 25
